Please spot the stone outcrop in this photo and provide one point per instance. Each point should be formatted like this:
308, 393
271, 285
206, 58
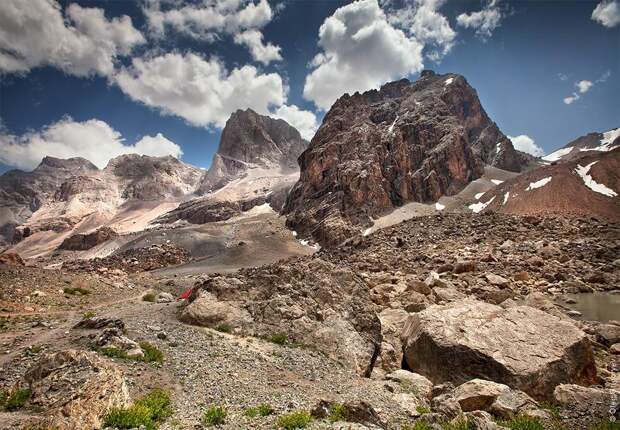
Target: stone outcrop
82, 242
11, 259
520, 346
305, 301
408, 141
252, 140
75, 388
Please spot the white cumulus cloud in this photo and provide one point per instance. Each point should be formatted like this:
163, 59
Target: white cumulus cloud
571, 99
607, 13
584, 86
304, 121
360, 50
253, 39
83, 42
199, 90
526, 144
484, 21
93, 140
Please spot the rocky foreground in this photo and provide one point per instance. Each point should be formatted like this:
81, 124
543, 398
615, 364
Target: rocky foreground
453, 321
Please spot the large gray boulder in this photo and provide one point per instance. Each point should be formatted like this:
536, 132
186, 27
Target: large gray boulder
521, 347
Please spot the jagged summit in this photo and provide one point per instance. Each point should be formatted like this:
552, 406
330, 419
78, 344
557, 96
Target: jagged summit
407, 141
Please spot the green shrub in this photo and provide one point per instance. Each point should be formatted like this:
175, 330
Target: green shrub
76, 291
147, 411
224, 328
606, 425
460, 424
215, 415
421, 409
277, 338
418, 425
15, 400
151, 353
522, 422
113, 352
149, 297
337, 413
294, 420
262, 410
88, 314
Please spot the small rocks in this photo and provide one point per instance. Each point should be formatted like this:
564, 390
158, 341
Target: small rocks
164, 298
465, 266
496, 280
99, 323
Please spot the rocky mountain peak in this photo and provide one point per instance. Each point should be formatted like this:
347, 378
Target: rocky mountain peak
75, 164
407, 141
252, 140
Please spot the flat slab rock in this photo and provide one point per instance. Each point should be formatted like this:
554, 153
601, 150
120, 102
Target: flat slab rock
521, 347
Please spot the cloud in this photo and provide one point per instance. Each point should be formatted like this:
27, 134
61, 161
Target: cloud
562, 77
421, 20
93, 140
607, 13
484, 21
526, 144
604, 77
203, 92
304, 121
570, 99
360, 51
210, 19
253, 39
84, 42
584, 86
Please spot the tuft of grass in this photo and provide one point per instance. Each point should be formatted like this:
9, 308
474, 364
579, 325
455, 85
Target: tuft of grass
149, 297
295, 420
151, 353
15, 400
113, 352
421, 409
263, 410
460, 424
34, 349
606, 425
337, 413
522, 422
224, 328
76, 291
88, 314
418, 425
148, 411
214, 415
277, 338
408, 387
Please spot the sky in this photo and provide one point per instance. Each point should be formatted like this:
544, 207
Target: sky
97, 79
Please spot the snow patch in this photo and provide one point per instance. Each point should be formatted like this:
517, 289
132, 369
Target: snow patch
477, 196
497, 181
538, 184
367, 231
506, 196
606, 141
391, 128
449, 81
439, 206
555, 156
294, 233
582, 171
498, 147
305, 242
478, 207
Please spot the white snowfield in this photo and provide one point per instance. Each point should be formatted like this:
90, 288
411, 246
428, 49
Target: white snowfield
497, 181
606, 141
538, 184
391, 128
478, 207
582, 171
506, 196
439, 206
478, 195
449, 81
555, 156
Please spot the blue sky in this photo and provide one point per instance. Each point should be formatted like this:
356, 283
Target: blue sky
100, 78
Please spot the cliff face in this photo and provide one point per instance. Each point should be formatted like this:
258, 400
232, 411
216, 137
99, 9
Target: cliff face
408, 141
251, 140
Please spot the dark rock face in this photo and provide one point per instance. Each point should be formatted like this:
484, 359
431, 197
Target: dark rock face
405, 142
82, 242
250, 139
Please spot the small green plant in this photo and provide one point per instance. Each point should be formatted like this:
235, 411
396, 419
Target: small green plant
214, 415
148, 411
460, 424
418, 425
113, 352
337, 413
149, 297
88, 314
294, 420
224, 328
34, 349
277, 338
76, 291
409, 387
15, 400
522, 422
151, 353
606, 425
421, 409
263, 410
